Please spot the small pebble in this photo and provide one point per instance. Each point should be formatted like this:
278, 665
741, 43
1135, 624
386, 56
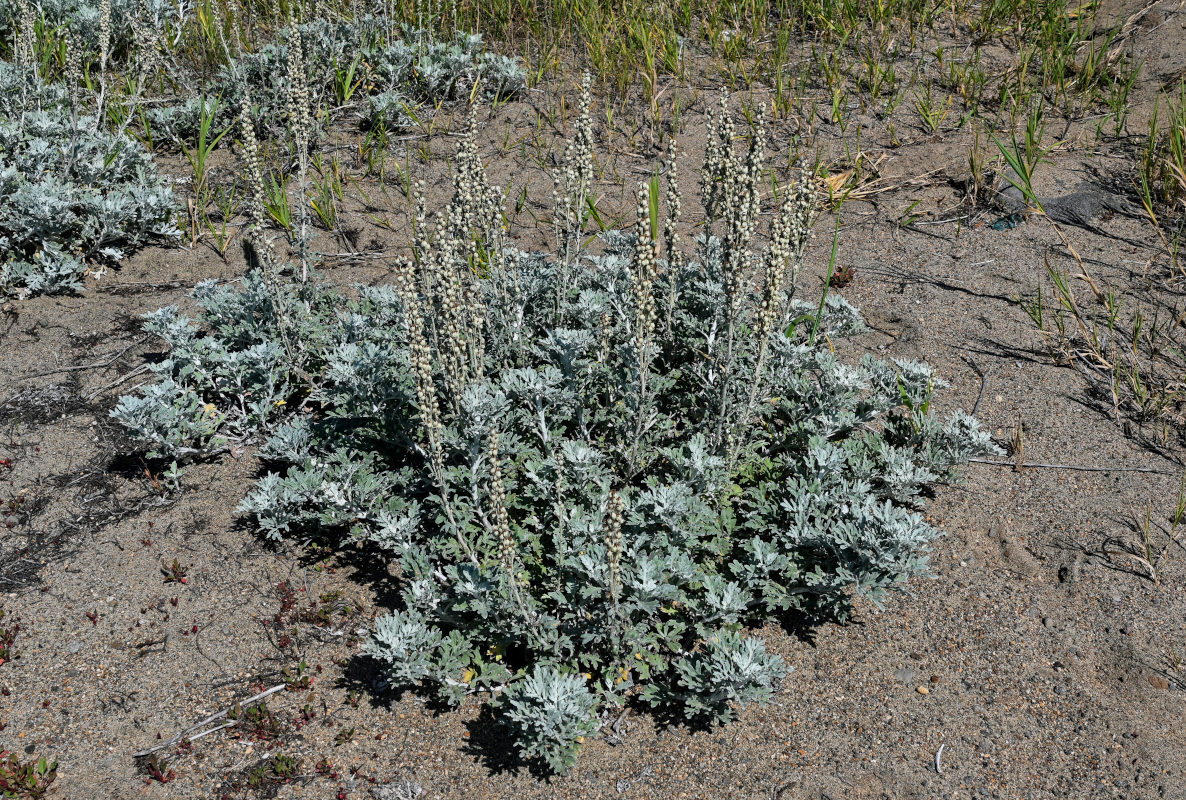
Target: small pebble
923, 690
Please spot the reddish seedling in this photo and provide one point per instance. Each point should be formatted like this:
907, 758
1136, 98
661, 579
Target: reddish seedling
175, 572
158, 770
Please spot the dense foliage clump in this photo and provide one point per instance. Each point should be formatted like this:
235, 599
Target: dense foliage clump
71, 193
384, 70
93, 21
594, 469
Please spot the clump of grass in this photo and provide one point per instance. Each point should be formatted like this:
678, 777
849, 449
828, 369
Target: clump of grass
1163, 162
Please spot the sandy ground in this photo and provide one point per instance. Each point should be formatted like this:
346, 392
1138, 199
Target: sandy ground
1035, 663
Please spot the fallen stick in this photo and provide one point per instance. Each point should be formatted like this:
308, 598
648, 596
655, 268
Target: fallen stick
983, 383
208, 720
140, 370
80, 367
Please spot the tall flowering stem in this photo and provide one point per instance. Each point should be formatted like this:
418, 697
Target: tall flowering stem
615, 508
468, 244
570, 191
25, 44
675, 258
732, 193
500, 521
426, 393
643, 274
421, 355
301, 125
498, 508
268, 263
782, 263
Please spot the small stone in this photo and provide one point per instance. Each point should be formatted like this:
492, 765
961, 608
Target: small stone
74, 646
1158, 682
923, 690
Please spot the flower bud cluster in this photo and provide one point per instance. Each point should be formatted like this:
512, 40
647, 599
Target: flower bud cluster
147, 42
297, 98
741, 198
788, 238
25, 46
718, 159
731, 190
450, 269
478, 204
570, 188
643, 272
73, 76
675, 259
421, 357
251, 162
104, 34
559, 486
615, 508
469, 243
802, 217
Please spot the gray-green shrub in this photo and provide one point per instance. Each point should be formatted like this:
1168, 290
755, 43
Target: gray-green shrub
595, 470
396, 68
71, 193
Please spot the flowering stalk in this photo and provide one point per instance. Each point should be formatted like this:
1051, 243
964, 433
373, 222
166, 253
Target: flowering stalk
788, 239
104, 53
675, 259
148, 57
301, 127
426, 395
615, 508
614, 517
469, 241
570, 192
421, 357
73, 76
498, 508
25, 44
738, 197
643, 273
